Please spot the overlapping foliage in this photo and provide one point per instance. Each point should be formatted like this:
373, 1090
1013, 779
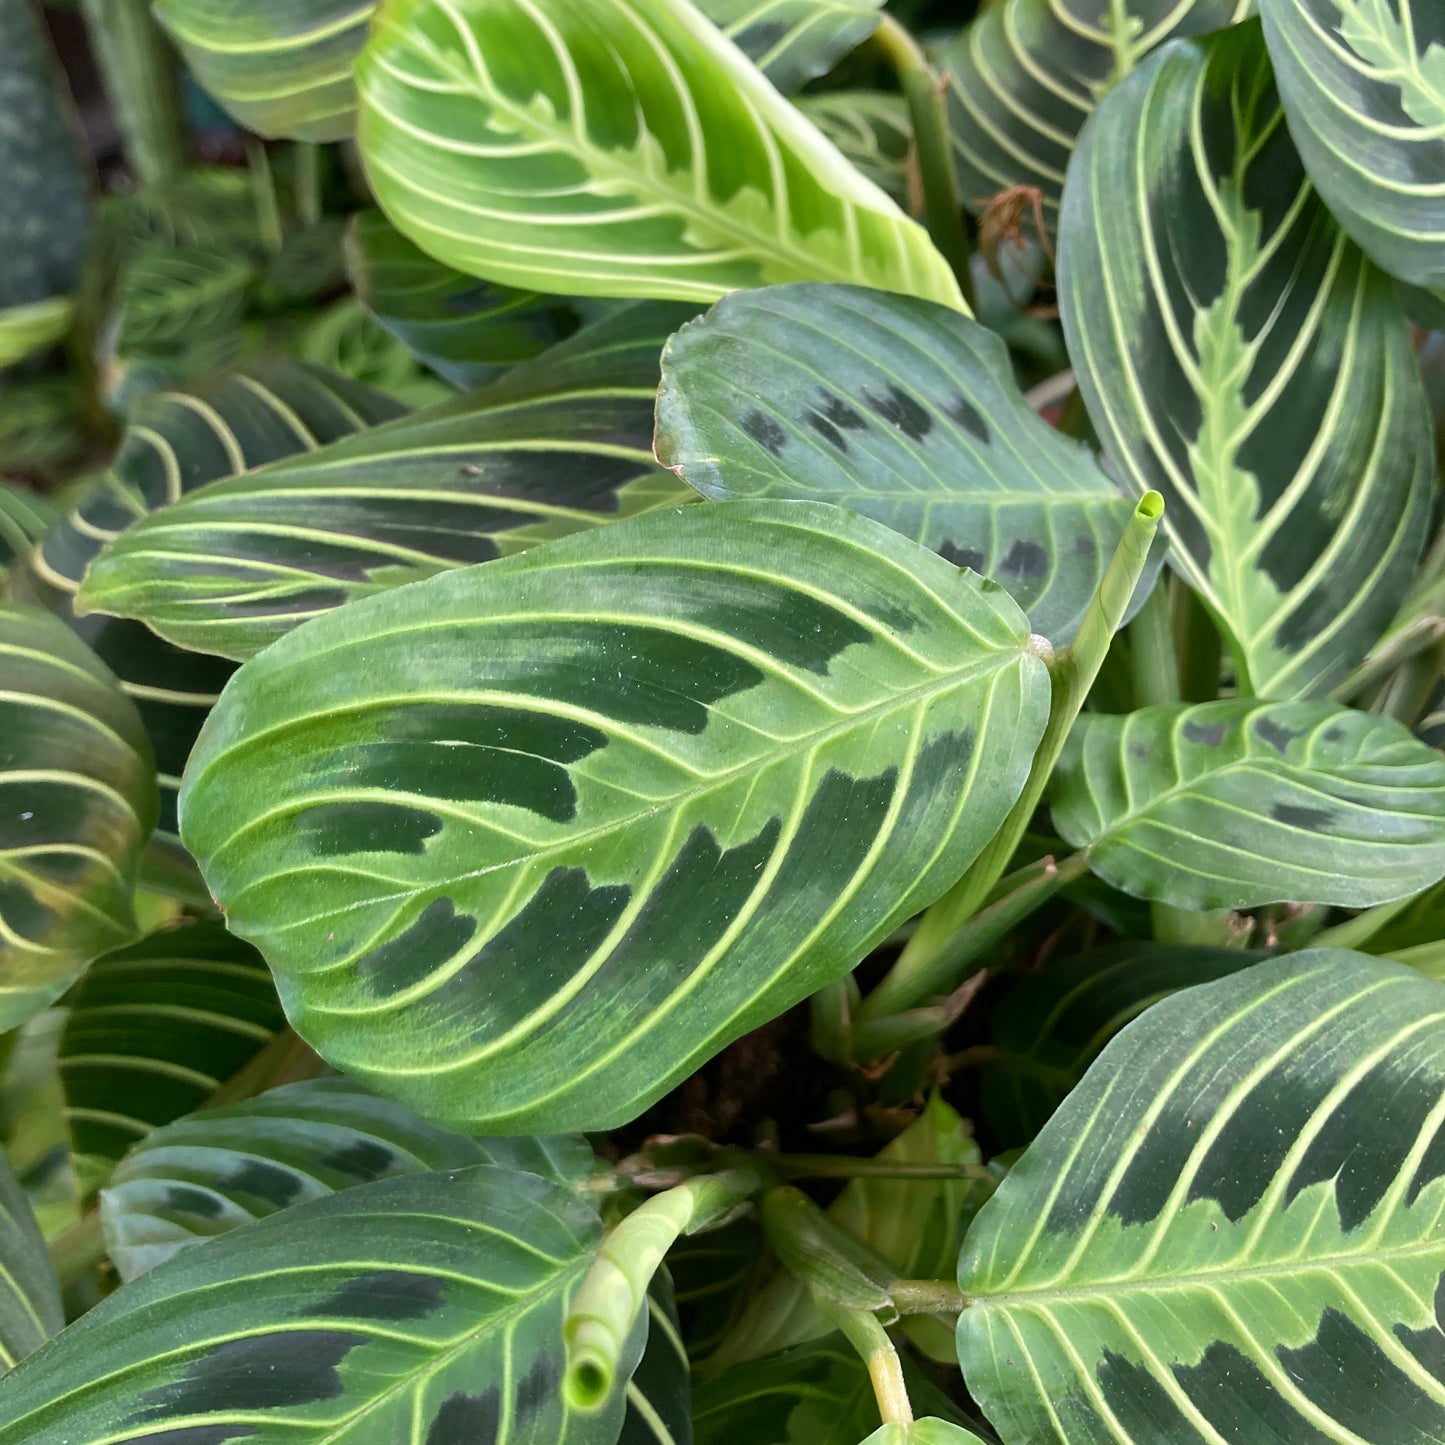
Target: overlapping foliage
725, 594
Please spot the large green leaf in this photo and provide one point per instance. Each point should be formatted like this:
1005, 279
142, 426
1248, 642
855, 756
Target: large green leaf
904, 411
526, 843
1237, 803
77, 806
1027, 74
280, 67
33, 327
209, 1172
561, 444
1050, 1028
44, 175
1363, 84
1230, 1230
153, 1031
615, 148
426, 1308
466, 330
659, 1397
1240, 354
30, 1309
794, 41
173, 443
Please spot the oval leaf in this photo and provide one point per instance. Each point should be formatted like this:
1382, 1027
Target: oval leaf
282, 68
209, 1172
427, 1307
559, 445
899, 409
1202, 280
466, 330
77, 806
493, 136
30, 1307
153, 1031
1235, 804
1363, 85
526, 843
1027, 74
1233, 1220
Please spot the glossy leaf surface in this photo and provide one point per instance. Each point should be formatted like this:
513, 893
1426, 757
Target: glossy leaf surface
153, 1031
1026, 75
466, 330
204, 1174
526, 843
418, 1310
1296, 459
1237, 803
614, 148
1230, 1229
282, 68
1363, 85
30, 1308
560, 445
899, 409
77, 806
794, 41
1053, 1024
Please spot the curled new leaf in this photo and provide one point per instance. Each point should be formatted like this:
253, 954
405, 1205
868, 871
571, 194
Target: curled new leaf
1237, 803
524, 843
77, 806
614, 148
1234, 1217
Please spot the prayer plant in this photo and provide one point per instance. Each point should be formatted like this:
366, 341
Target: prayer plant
720, 724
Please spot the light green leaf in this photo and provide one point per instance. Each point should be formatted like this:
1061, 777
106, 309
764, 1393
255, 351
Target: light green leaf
561, 444
466, 330
346, 338
282, 68
924, 1432
1201, 280
174, 442
30, 1308
32, 327
1237, 803
44, 173
422, 1308
153, 1031
1050, 1028
25, 517
1027, 74
794, 41
899, 409
203, 1175
914, 1224
77, 806
1230, 1230
526, 843
614, 148
873, 130
1363, 85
